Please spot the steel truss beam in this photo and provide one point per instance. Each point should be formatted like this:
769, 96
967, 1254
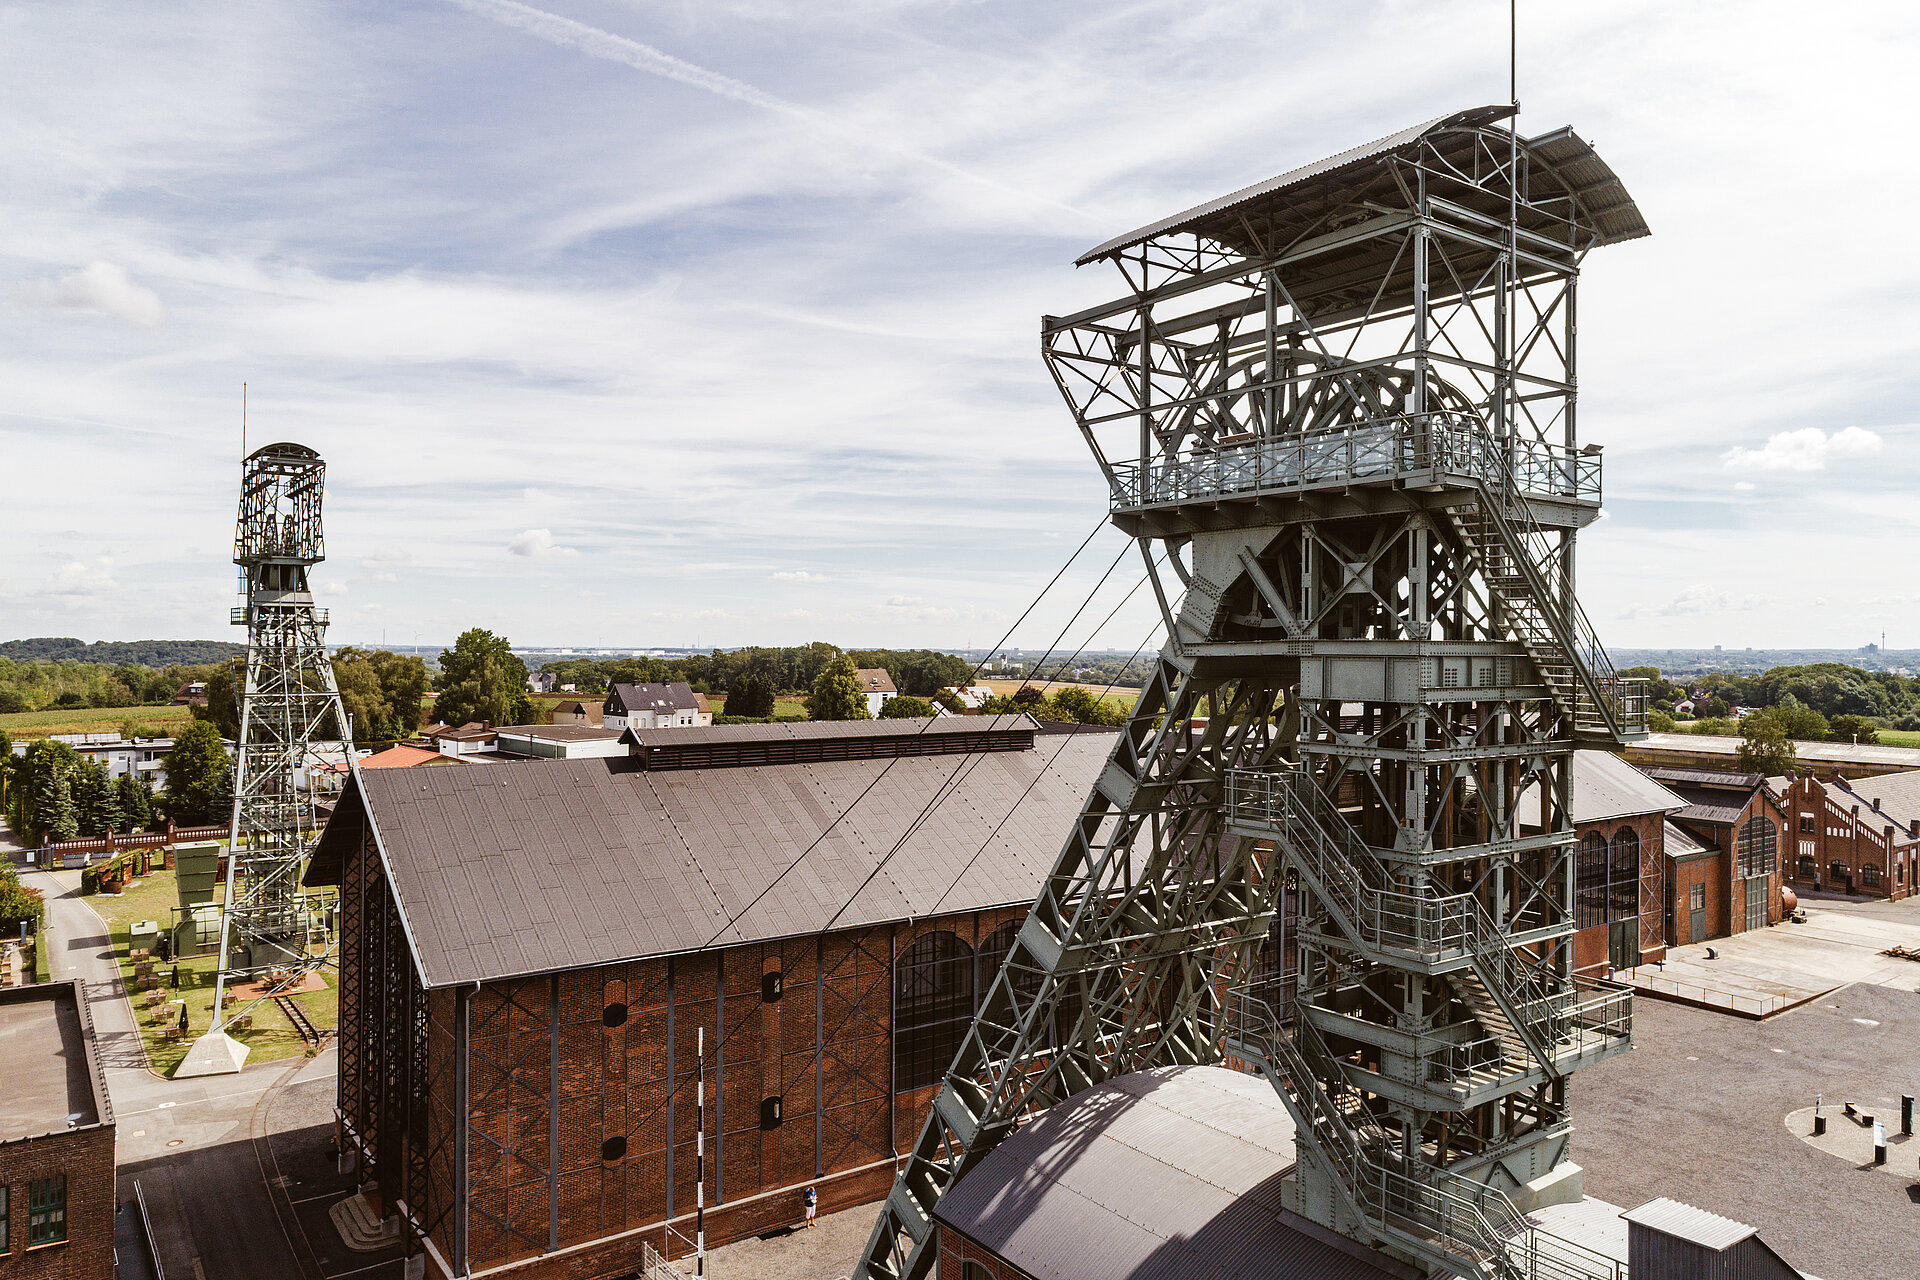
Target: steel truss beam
1357, 443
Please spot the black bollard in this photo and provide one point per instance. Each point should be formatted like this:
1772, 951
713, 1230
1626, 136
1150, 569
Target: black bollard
1879, 1143
1906, 1114
1819, 1116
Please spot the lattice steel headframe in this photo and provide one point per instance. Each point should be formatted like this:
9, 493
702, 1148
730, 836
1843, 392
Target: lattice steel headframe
1342, 403
271, 932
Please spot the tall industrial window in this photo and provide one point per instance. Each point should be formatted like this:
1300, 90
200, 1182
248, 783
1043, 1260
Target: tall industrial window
1870, 875
933, 1006
1757, 848
1590, 880
47, 1210
5, 1224
1623, 875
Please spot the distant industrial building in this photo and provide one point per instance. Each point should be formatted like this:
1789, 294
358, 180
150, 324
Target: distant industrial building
530, 955
1698, 751
1859, 836
57, 1197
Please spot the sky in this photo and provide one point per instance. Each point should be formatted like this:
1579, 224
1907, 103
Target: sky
717, 322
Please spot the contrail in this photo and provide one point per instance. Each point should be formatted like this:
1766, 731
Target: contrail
595, 43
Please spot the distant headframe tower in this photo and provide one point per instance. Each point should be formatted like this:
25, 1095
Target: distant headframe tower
271, 934
1341, 403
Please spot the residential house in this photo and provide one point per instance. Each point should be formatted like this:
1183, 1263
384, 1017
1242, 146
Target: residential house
542, 682
654, 706
877, 685
468, 739
574, 711
191, 694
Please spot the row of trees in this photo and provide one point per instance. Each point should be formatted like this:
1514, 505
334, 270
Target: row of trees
380, 690
1832, 689
761, 674
41, 686
50, 788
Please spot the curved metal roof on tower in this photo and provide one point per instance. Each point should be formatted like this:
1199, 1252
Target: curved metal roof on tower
1233, 219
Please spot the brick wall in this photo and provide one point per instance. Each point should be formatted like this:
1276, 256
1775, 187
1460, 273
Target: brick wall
1590, 950
958, 1251
85, 1156
562, 1069
1832, 826
1710, 873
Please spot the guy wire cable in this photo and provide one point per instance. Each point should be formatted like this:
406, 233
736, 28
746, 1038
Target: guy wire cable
974, 758
828, 830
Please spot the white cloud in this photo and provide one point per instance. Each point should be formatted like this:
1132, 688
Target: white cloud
1699, 599
1743, 486
386, 578
538, 542
903, 602
99, 286
798, 575
334, 588
1804, 450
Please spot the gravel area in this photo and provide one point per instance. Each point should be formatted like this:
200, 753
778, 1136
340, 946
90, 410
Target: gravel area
825, 1251
1697, 1112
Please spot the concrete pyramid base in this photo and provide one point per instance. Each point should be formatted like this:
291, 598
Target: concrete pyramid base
213, 1054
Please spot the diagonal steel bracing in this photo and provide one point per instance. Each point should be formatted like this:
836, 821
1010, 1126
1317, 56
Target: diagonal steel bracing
1345, 402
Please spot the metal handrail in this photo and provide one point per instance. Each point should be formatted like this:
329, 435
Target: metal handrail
1473, 1224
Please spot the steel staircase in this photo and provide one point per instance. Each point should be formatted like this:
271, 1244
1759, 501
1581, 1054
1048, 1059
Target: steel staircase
1440, 1218
1538, 599
1377, 915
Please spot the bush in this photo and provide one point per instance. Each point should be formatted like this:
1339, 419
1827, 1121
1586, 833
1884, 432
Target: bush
906, 707
1660, 722
1852, 729
70, 699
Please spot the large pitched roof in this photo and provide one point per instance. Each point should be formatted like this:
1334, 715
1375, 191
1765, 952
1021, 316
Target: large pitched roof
1174, 1171
558, 864
1606, 787
676, 696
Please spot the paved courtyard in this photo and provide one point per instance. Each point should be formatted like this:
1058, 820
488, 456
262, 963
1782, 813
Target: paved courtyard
1698, 1111
1758, 974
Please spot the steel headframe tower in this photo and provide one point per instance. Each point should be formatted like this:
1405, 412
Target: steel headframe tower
267, 927
1342, 403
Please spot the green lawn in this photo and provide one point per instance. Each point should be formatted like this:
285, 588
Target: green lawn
1900, 737
271, 1036
41, 724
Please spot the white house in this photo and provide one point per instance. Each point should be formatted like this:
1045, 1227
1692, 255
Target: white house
878, 686
468, 739
561, 741
654, 706
542, 682
144, 758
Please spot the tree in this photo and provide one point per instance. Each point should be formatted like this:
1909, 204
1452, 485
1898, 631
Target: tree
18, 903
197, 776
906, 707
751, 694
482, 680
837, 694
96, 804
6, 767
1799, 720
950, 700
1765, 747
1660, 722
1844, 728
1076, 704
223, 698
136, 802
42, 791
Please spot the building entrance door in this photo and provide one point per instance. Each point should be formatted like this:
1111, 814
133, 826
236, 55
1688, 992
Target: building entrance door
1696, 913
1623, 943
1757, 902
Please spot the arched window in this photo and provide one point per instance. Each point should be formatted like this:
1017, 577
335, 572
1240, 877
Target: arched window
932, 1008
1590, 880
1623, 875
1757, 848
993, 954
1837, 872
974, 1271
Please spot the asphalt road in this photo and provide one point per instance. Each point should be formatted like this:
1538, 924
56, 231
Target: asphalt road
237, 1170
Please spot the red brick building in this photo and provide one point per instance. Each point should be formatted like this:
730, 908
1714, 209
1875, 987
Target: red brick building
1729, 881
1620, 831
531, 954
56, 1139
1853, 837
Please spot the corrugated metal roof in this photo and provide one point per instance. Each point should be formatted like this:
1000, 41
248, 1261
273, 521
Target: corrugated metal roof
1684, 1222
1606, 787
1717, 808
557, 864
1680, 844
1173, 1172
795, 730
1671, 774
1808, 752
1603, 203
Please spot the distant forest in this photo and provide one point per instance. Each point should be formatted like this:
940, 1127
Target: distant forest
122, 653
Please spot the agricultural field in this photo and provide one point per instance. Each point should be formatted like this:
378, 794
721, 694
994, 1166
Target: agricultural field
788, 706
24, 725
272, 1036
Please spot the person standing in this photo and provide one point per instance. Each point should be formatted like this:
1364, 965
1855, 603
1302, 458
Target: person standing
813, 1203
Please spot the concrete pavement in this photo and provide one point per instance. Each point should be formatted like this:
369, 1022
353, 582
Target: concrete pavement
213, 1154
